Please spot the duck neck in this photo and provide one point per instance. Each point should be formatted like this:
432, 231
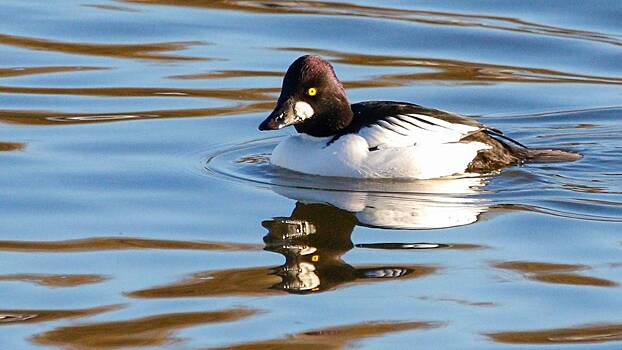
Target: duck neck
328, 123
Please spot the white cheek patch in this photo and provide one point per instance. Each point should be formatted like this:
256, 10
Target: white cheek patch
303, 110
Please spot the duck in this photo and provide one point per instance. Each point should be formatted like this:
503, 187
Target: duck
382, 139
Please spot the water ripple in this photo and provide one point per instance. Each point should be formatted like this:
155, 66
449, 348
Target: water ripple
454, 19
151, 51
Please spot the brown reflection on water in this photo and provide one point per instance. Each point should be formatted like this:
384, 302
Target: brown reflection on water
118, 243
255, 281
312, 239
226, 74
150, 51
555, 273
334, 338
140, 332
20, 71
55, 280
593, 333
54, 118
461, 301
258, 94
9, 317
11, 146
590, 189
326, 8
111, 7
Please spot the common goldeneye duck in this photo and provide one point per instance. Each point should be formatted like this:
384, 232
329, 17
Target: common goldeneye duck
382, 139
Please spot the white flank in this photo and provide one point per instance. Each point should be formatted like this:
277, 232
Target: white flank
349, 156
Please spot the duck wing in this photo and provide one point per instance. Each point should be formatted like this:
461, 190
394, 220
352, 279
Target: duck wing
398, 124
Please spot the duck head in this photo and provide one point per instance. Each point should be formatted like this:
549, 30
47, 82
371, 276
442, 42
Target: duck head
312, 99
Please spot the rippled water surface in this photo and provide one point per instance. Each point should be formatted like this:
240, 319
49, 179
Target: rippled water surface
138, 209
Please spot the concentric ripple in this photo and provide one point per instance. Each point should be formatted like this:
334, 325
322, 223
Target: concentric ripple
405, 204
555, 189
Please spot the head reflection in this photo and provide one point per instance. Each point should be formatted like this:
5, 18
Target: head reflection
313, 239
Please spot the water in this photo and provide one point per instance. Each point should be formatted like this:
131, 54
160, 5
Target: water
138, 210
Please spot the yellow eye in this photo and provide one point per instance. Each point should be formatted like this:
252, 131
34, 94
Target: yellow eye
312, 91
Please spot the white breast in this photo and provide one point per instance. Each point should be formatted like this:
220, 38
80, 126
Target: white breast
310, 155
349, 156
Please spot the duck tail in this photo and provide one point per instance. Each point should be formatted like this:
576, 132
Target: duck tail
533, 155
542, 155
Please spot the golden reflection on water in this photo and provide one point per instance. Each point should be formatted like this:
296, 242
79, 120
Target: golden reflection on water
252, 281
21, 71
9, 317
226, 74
151, 51
140, 332
111, 7
55, 280
335, 337
460, 301
555, 273
11, 146
118, 243
259, 94
593, 333
35, 117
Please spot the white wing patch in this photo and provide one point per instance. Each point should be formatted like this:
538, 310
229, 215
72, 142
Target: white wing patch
413, 129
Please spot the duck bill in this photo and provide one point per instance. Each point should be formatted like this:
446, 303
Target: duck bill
282, 116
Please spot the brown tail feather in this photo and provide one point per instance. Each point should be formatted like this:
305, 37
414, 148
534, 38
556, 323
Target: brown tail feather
539, 155
505, 151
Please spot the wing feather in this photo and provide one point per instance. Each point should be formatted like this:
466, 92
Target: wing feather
411, 129
397, 124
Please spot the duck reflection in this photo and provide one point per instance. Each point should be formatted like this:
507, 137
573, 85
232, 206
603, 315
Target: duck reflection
313, 240
317, 234
422, 204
